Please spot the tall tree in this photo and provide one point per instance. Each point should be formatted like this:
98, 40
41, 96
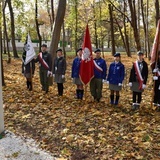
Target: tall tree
5, 37
112, 28
144, 28
95, 26
157, 10
50, 10
57, 27
37, 24
132, 7
15, 54
76, 24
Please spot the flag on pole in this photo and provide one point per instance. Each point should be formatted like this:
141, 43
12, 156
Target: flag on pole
86, 67
30, 52
156, 44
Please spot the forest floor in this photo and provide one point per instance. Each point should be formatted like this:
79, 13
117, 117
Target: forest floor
81, 130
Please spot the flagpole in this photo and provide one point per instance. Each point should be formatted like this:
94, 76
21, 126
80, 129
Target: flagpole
31, 74
156, 59
85, 91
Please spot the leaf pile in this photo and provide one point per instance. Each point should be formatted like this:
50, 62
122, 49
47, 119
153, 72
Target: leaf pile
81, 130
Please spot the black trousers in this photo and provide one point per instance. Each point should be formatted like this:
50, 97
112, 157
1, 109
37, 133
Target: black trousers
137, 97
157, 92
60, 89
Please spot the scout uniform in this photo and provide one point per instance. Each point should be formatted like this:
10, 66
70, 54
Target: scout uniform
138, 80
156, 77
115, 78
59, 70
45, 67
75, 75
96, 83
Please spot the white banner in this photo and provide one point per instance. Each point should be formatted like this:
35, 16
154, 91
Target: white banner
30, 52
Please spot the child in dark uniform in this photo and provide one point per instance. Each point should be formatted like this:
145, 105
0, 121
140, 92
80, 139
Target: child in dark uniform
59, 70
156, 77
115, 78
138, 80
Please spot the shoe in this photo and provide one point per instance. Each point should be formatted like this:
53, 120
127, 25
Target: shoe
112, 102
137, 106
98, 100
155, 104
158, 108
133, 106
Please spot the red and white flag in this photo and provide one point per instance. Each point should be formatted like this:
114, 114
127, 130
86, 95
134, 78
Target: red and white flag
156, 44
87, 66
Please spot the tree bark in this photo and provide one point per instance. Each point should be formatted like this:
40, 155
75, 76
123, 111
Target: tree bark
64, 40
125, 32
5, 38
57, 27
112, 28
49, 14
37, 25
76, 24
52, 12
147, 34
12, 29
157, 11
95, 27
144, 28
134, 23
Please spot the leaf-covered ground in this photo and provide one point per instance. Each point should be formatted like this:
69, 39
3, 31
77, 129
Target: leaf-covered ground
81, 130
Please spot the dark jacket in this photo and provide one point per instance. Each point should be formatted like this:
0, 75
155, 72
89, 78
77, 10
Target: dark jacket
59, 66
158, 67
116, 73
144, 73
102, 64
27, 68
76, 67
47, 58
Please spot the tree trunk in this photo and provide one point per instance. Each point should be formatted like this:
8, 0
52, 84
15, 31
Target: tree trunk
95, 27
157, 11
112, 28
37, 25
147, 34
12, 29
144, 28
5, 38
52, 12
57, 27
49, 14
76, 24
134, 23
126, 39
64, 40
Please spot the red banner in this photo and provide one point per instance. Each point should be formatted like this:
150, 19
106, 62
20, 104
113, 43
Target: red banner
156, 44
86, 67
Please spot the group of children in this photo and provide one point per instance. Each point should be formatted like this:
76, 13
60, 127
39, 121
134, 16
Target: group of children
116, 73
